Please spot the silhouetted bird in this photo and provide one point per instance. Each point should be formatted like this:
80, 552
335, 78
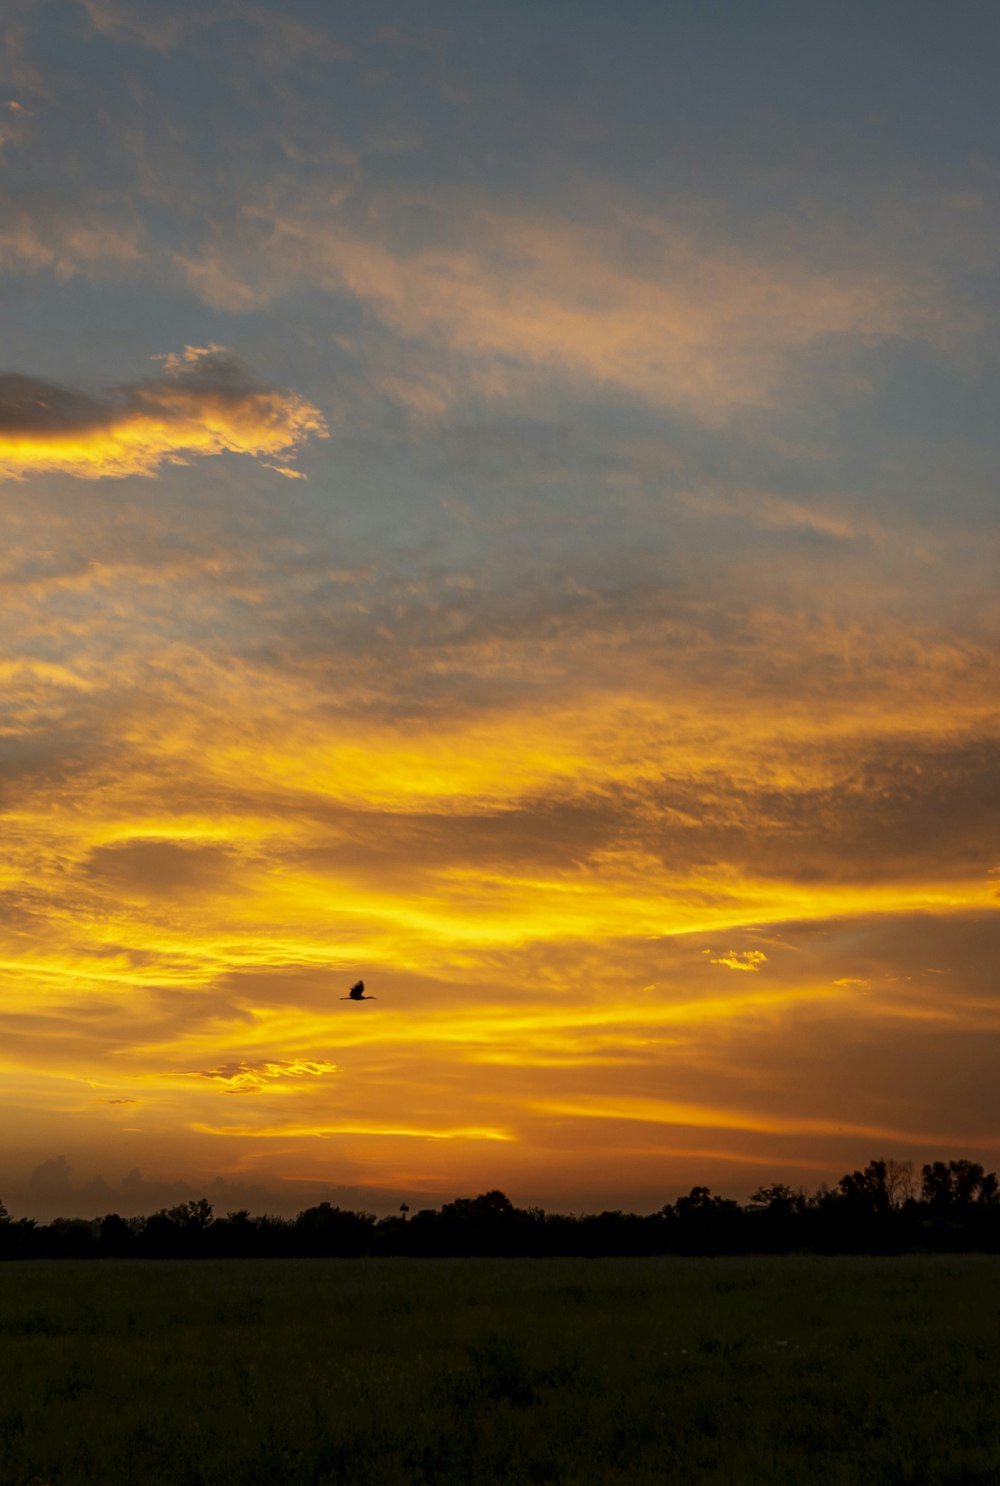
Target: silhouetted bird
357, 993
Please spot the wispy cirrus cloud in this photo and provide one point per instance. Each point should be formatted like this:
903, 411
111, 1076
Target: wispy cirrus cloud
640, 304
275, 36
45, 236
203, 403
160, 28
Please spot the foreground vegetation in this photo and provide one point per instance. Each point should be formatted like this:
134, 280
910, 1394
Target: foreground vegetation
576, 1372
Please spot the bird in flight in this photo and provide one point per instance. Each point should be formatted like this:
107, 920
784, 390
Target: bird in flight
357, 993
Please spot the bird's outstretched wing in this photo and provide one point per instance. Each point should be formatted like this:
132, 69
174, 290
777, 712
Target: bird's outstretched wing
357, 993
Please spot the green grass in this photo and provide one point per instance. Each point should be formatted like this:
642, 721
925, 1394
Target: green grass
810, 1372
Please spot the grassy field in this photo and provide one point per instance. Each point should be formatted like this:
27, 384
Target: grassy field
580, 1372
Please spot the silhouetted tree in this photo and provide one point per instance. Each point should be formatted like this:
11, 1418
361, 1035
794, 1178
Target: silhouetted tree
177, 1232
194, 1216
333, 1231
19, 1239
869, 1210
490, 1206
775, 1199
117, 1236
562, 1234
617, 1232
234, 1235
900, 1181
68, 1238
477, 1225
867, 1192
957, 1184
776, 1219
707, 1224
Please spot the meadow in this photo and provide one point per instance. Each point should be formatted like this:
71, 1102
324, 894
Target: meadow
585, 1372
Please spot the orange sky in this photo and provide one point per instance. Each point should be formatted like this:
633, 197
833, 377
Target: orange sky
562, 596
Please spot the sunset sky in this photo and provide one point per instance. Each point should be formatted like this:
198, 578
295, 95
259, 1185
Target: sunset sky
500, 500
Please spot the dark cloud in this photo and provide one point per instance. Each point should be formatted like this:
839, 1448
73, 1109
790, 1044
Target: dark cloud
900, 810
60, 740
160, 867
50, 1179
389, 846
28, 405
210, 371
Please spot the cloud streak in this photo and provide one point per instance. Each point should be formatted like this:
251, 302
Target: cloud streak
249, 1078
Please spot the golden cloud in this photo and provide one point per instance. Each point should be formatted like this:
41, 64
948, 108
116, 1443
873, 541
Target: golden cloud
247, 1078
695, 324
357, 1127
709, 1117
746, 959
204, 403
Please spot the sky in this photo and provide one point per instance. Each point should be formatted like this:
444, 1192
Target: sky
500, 501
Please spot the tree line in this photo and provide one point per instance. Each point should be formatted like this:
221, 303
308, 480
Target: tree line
877, 1210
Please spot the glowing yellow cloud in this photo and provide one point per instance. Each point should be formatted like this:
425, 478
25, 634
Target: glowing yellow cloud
746, 959
248, 1078
203, 404
669, 1112
354, 1127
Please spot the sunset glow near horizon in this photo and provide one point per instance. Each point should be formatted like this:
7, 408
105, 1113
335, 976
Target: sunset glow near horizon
502, 502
